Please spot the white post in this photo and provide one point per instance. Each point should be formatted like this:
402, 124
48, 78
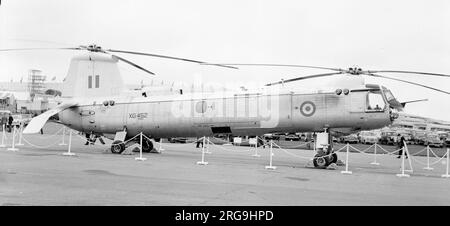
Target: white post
160, 145
448, 159
207, 146
3, 137
203, 154
20, 135
13, 148
68, 153
428, 159
375, 157
256, 148
407, 156
271, 154
63, 137
140, 158
403, 164
346, 161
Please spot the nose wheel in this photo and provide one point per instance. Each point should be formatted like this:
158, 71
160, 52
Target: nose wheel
117, 147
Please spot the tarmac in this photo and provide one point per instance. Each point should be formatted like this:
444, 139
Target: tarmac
94, 176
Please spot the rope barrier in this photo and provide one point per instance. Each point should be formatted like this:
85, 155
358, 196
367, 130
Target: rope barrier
37, 146
50, 136
225, 149
181, 145
432, 152
298, 156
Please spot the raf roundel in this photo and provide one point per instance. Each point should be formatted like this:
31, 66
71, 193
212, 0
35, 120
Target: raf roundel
308, 108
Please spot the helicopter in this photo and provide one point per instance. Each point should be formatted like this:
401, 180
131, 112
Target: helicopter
95, 103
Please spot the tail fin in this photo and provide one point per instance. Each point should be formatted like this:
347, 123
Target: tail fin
93, 74
39, 121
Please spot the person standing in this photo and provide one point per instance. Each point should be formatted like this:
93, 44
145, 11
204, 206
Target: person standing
10, 121
199, 142
4, 121
401, 145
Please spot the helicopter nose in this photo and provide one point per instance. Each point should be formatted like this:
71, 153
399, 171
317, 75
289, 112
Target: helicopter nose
393, 114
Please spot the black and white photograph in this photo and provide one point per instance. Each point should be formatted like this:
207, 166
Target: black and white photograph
198, 103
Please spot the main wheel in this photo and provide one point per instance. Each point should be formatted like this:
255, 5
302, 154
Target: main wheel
321, 161
117, 147
333, 158
147, 145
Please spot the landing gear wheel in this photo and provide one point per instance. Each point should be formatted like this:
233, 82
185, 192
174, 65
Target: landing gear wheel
321, 161
117, 147
333, 158
147, 145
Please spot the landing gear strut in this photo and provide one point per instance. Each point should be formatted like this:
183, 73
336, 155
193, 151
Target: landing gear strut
324, 146
118, 146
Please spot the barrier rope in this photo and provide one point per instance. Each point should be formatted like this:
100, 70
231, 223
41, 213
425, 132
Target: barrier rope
289, 153
388, 152
297, 146
417, 153
179, 145
431, 150
37, 146
52, 135
226, 149
433, 163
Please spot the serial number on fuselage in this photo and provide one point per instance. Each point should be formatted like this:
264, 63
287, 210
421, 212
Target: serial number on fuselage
138, 115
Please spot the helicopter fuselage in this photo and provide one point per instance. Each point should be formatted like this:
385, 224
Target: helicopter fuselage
195, 115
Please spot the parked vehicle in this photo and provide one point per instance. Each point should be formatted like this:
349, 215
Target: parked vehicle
292, 137
388, 137
433, 140
177, 140
351, 139
407, 135
368, 137
418, 137
21, 118
445, 137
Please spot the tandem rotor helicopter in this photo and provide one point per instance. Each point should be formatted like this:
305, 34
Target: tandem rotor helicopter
96, 103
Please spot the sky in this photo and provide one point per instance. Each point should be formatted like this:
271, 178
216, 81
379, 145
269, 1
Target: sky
376, 35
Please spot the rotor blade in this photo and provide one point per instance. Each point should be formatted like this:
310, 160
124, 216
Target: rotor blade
133, 64
303, 78
410, 72
280, 65
413, 83
25, 49
412, 101
167, 57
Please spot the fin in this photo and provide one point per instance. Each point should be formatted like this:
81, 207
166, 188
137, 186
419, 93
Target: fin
39, 121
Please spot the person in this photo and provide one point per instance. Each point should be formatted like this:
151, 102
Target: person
4, 121
90, 139
199, 141
401, 145
261, 143
10, 121
377, 107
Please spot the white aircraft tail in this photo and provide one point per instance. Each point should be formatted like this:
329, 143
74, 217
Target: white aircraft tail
91, 75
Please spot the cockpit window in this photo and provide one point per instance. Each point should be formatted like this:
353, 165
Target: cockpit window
389, 95
375, 101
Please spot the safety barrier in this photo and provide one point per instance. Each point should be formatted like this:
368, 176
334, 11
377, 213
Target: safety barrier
17, 134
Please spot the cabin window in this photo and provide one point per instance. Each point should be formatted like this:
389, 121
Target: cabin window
375, 101
89, 82
97, 81
200, 107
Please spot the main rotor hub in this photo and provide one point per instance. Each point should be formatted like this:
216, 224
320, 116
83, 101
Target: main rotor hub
355, 71
94, 48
